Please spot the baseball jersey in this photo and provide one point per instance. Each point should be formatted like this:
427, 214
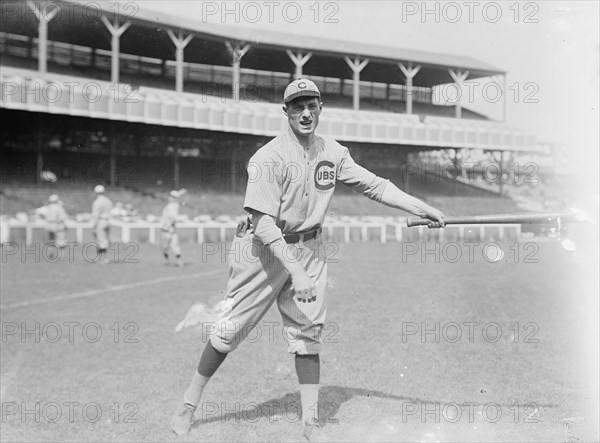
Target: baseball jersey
169, 215
101, 208
295, 185
55, 213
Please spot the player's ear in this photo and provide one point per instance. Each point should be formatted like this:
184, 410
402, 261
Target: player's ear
284, 110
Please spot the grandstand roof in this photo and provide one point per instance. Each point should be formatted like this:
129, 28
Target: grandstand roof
320, 44
148, 37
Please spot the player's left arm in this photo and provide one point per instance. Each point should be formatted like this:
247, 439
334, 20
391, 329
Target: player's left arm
385, 192
395, 198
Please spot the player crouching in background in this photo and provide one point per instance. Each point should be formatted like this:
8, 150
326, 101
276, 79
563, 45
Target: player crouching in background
169, 241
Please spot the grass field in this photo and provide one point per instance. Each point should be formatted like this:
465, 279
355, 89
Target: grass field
528, 360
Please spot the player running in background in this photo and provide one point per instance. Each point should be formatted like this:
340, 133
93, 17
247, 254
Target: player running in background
169, 241
101, 221
291, 182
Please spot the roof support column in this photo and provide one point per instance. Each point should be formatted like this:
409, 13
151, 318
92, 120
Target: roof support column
115, 46
180, 43
299, 60
176, 168
39, 161
459, 77
504, 98
409, 73
237, 52
44, 16
356, 67
112, 160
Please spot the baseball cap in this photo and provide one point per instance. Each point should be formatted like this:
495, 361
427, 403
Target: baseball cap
174, 194
99, 189
53, 198
301, 87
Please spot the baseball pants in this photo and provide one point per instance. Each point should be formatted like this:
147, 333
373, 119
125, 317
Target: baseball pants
56, 234
101, 232
169, 242
257, 279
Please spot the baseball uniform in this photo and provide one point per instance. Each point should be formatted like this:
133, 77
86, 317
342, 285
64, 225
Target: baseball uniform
294, 185
169, 237
55, 223
101, 220
291, 181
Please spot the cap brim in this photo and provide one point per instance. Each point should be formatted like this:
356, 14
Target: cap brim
302, 93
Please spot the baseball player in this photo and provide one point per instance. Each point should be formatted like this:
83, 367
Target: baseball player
101, 209
55, 217
291, 181
169, 242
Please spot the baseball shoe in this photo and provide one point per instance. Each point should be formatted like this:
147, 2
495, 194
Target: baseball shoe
183, 419
312, 431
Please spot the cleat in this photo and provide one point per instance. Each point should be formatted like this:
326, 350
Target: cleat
312, 431
183, 419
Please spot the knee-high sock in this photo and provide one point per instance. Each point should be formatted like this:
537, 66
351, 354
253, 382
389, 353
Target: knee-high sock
193, 393
308, 368
209, 363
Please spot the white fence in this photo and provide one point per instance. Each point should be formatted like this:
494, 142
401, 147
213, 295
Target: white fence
344, 231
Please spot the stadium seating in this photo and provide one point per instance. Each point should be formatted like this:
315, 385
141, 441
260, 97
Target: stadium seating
453, 198
213, 80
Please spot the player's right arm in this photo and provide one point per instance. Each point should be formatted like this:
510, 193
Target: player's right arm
270, 235
262, 200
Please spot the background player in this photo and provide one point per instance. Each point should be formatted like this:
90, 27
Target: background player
55, 217
101, 221
290, 186
169, 242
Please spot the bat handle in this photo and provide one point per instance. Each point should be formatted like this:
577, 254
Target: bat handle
416, 222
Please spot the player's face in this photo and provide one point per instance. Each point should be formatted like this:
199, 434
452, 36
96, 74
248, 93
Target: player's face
303, 115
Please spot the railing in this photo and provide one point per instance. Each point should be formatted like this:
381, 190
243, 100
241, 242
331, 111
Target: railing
342, 231
218, 78
54, 93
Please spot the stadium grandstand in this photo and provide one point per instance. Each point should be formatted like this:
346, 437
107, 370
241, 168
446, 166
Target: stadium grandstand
145, 103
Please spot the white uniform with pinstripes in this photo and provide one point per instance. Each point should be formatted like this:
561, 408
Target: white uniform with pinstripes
294, 185
169, 242
101, 219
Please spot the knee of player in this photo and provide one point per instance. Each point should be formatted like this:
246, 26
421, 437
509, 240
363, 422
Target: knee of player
224, 344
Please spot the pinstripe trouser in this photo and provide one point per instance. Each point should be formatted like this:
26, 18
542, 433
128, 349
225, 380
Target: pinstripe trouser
257, 279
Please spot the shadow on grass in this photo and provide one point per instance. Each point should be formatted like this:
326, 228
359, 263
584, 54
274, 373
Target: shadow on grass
288, 408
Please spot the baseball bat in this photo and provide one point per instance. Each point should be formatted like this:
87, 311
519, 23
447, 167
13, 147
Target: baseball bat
501, 219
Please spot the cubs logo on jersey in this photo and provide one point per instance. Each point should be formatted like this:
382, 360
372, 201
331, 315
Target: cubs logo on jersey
325, 175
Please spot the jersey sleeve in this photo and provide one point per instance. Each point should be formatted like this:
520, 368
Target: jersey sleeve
264, 189
360, 179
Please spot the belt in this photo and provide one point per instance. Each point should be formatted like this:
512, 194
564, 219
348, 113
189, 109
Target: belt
295, 238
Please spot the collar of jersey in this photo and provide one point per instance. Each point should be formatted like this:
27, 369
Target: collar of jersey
289, 136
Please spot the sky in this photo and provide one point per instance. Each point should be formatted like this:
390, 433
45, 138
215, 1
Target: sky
550, 50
